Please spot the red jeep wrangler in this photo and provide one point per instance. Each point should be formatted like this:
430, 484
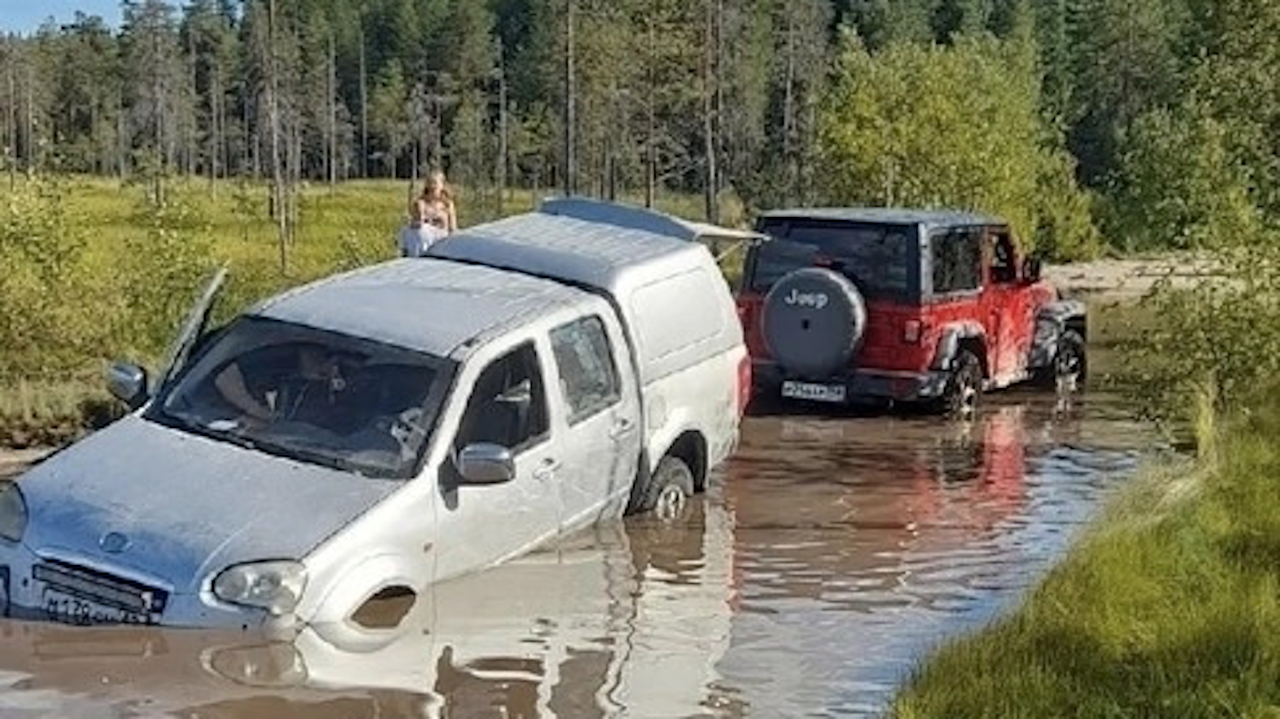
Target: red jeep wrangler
879, 305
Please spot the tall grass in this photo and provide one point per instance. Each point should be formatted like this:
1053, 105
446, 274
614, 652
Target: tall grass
93, 271
1169, 607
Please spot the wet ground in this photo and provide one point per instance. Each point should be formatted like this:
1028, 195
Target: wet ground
824, 561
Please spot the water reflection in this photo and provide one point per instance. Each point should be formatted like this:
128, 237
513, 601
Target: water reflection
824, 561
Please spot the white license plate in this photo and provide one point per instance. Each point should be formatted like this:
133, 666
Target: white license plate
813, 392
64, 608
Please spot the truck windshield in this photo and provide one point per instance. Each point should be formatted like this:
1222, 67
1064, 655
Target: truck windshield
877, 257
310, 395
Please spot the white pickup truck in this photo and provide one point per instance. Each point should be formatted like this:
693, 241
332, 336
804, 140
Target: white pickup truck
380, 430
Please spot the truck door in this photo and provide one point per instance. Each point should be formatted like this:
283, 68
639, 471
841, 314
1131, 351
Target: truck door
599, 412
483, 524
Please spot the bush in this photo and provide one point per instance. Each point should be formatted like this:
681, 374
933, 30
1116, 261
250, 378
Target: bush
48, 314
1218, 339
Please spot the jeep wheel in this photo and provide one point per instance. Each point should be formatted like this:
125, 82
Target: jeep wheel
960, 398
1070, 363
668, 490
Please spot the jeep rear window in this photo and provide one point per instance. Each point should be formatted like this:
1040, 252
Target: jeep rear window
877, 257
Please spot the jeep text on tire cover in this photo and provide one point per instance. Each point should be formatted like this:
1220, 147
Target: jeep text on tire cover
878, 304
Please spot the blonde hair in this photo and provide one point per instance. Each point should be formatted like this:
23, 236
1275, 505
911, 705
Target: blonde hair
446, 192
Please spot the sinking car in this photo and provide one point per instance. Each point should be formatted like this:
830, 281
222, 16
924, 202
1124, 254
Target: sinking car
377, 431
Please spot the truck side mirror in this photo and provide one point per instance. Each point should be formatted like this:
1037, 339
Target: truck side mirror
1031, 270
127, 382
484, 464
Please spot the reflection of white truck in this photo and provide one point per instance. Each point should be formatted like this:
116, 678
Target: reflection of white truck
378, 431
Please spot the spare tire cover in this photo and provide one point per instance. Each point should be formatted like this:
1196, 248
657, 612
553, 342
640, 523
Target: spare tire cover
813, 321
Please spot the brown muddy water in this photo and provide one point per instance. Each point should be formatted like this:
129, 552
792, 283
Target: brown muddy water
825, 561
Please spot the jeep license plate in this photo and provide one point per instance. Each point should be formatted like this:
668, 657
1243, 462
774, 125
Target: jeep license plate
813, 392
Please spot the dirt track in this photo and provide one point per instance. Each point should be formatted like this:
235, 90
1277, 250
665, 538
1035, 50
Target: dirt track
1124, 279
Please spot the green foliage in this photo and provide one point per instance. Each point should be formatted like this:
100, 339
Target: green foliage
1178, 187
40, 310
1219, 338
1168, 608
161, 266
959, 126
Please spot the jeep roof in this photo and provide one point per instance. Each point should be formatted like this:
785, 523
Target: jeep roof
433, 306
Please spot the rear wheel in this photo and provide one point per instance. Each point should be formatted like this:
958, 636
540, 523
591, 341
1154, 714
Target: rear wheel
668, 490
960, 398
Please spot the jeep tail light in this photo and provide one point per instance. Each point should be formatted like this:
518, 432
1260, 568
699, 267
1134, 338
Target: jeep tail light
911, 331
744, 384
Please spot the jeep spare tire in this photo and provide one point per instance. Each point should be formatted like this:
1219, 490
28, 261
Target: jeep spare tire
813, 321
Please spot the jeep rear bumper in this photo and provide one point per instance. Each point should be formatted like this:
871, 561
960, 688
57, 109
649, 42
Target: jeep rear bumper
862, 386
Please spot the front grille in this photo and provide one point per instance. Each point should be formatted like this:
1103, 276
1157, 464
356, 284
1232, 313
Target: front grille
101, 588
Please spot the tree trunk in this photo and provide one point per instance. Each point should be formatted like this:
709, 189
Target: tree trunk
278, 208
708, 116
332, 93
650, 141
570, 102
502, 130
788, 111
364, 108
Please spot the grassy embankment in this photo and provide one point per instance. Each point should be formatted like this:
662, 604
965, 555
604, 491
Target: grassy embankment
1168, 607
350, 225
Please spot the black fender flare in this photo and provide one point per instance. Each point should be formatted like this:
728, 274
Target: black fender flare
953, 336
1051, 322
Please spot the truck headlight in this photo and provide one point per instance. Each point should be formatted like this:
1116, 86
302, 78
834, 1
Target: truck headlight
273, 586
13, 513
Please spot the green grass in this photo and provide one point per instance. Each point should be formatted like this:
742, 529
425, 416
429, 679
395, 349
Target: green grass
50, 384
1168, 607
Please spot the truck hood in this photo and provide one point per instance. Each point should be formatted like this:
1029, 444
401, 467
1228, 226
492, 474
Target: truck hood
187, 506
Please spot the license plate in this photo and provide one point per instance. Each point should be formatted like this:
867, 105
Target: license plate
64, 608
813, 392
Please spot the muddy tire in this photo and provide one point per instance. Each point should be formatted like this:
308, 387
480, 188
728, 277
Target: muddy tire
1070, 365
964, 386
668, 491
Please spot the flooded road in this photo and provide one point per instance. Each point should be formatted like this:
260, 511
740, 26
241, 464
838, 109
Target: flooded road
824, 561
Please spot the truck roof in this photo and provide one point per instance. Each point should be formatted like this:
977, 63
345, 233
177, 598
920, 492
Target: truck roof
584, 242
431, 305
886, 215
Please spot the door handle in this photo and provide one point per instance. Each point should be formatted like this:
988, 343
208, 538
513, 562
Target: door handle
546, 470
621, 428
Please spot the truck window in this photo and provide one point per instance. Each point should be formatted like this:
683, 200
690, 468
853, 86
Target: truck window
1003, 269
878, 258
957, 260
584, 360
508, 406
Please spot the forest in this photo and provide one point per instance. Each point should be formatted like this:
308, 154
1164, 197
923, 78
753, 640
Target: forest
1138, 124
281, 137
